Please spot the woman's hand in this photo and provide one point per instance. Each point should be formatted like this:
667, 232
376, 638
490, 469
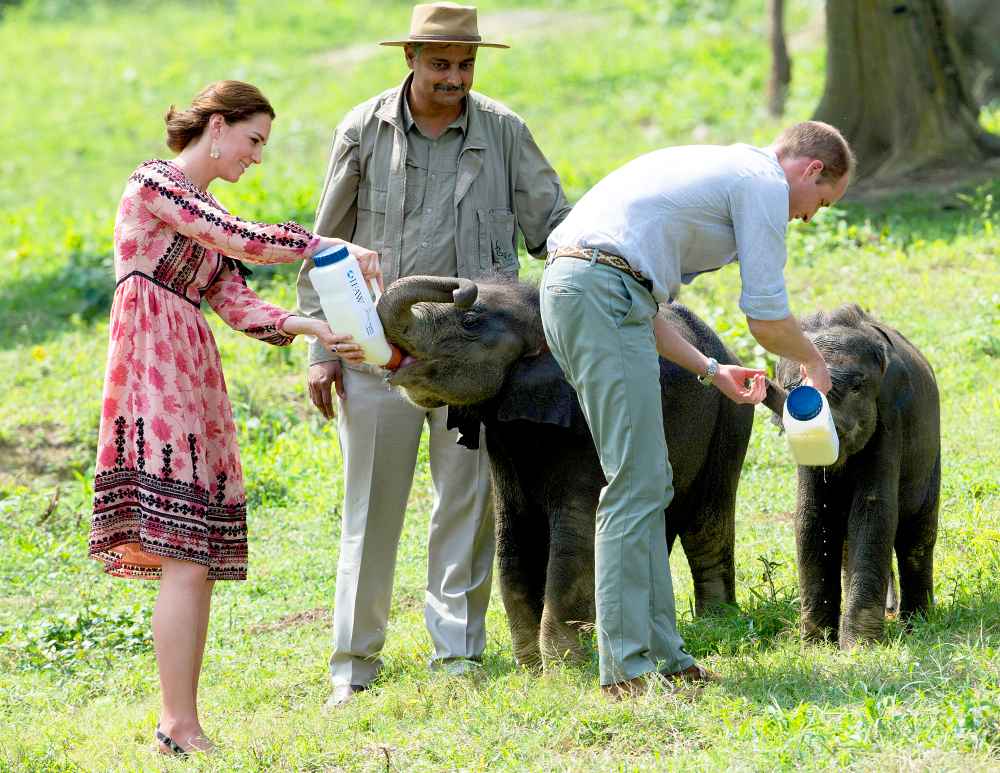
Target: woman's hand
732, 381
341, 345
367, 259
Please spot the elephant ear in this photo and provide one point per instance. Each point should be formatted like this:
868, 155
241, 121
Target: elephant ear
467, 419
537, 391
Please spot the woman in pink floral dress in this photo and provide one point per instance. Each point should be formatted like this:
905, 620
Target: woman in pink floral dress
169, 502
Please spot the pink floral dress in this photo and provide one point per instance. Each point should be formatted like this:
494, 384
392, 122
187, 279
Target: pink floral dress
169, 481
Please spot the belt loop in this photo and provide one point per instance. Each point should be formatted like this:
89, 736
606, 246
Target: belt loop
594, 253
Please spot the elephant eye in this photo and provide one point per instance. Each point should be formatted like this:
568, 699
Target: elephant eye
857, 383
471, 320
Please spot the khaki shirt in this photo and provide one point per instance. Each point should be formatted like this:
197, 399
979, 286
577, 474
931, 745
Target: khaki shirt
503, 184
428, 216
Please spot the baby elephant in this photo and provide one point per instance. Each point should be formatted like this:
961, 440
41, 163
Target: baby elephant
882, 492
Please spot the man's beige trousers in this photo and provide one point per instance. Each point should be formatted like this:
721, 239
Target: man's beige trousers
379, 437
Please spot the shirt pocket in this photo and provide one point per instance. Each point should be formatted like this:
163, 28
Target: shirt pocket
372, 199
416, 187
496, 241
370, 230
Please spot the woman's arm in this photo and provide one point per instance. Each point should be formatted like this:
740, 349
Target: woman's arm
172, 199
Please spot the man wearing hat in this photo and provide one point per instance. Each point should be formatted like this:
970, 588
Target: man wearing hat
438, 180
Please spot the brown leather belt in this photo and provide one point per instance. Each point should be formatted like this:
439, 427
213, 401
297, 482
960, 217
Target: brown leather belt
604, 258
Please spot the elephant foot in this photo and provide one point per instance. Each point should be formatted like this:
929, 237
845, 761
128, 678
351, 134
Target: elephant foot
563, 642
818, 631
527, 654
862, 626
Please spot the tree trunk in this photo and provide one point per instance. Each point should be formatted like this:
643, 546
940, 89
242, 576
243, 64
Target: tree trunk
781, 65
977, 32
895, 88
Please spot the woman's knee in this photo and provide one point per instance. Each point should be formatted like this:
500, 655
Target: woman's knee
186, 572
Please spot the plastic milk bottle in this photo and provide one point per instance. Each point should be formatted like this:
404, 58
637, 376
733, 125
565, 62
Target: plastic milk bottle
348, 305
809, 424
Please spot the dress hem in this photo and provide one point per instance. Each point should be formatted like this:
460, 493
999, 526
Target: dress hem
115, 566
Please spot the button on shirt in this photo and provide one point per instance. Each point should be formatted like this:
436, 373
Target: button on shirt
429, 210
679, 212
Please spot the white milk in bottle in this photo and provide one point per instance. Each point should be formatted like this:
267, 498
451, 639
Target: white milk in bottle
348, 304
809, 424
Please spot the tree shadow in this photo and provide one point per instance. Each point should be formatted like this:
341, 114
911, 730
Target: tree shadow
39, 307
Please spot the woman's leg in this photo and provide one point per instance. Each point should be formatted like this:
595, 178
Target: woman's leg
180, 624
205, 607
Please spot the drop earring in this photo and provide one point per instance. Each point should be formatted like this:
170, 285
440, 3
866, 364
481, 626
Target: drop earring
214, 151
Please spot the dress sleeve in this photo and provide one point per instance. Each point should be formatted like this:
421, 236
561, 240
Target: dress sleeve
242, 309
184, 208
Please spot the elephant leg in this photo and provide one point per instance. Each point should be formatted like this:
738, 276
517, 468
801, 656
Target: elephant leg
567, 620
709, 550
522, 589
819, 544
870, 534
915, 539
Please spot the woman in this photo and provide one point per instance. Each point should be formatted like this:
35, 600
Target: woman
169, 502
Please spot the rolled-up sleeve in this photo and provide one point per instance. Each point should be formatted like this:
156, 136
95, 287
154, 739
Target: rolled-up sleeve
539, 201
336, 216
759, 209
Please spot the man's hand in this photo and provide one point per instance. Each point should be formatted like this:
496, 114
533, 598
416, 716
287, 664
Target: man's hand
741, 385
367, 259
322, 377
816, 374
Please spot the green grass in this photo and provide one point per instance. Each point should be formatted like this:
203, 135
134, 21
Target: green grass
78, 685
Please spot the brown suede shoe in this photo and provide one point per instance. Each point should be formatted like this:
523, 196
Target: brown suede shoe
630, 688
694, 674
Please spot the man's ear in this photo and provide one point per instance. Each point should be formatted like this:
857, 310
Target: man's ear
408, 53
815, 169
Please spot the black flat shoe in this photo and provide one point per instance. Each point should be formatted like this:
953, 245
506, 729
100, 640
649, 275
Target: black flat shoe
176, 749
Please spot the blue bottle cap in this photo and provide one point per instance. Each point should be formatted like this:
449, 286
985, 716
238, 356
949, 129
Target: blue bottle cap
330, 255
804, 403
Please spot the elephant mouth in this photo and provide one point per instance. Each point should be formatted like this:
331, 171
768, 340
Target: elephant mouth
407, 359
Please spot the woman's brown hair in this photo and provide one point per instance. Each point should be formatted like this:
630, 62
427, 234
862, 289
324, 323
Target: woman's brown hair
233, 100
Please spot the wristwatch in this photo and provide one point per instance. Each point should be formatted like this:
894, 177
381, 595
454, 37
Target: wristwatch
709, 375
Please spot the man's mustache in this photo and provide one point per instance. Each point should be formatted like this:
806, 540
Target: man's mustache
442, 87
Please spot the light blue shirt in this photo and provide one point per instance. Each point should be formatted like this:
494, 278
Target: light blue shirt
679, 212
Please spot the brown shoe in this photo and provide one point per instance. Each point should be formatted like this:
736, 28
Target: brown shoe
630, 688
694, 674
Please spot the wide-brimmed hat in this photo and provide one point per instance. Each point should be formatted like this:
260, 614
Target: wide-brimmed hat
444, 23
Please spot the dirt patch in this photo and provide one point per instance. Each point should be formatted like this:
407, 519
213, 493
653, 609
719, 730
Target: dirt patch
37, 456
289, 621
512, 27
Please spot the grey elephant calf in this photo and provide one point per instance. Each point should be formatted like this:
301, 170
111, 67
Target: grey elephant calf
480, 349
881, 493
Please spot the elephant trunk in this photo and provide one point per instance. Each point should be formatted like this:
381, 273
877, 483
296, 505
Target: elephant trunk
775, 398
395, 305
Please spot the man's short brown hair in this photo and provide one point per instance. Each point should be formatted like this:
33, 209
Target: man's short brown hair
815, 139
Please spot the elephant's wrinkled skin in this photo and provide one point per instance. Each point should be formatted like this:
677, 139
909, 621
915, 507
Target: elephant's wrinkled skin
882, 492
481, 350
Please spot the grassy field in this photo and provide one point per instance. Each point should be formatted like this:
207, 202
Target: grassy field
86, 84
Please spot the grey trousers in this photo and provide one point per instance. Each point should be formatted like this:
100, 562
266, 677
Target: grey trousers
379, 437
598, 324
